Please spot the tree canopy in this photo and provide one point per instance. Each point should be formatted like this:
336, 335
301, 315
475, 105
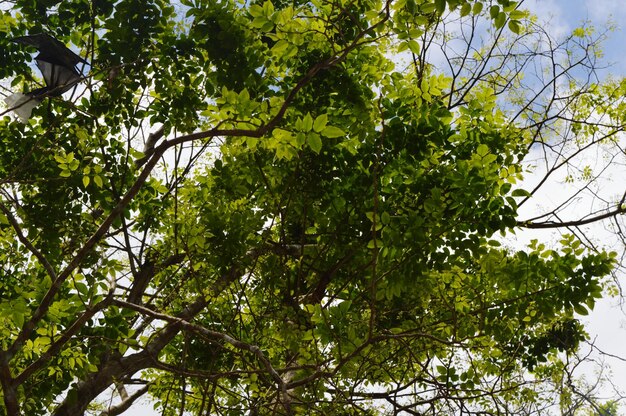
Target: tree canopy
302, 207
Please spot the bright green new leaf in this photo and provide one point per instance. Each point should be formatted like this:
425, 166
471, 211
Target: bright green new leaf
320, 123
314, 141
332, 132
307, 123
413, 46
517, 14
255, 10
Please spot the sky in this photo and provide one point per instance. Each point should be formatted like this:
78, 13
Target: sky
565, 15
606, 324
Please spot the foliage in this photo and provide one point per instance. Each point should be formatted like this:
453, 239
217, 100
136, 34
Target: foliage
312, 226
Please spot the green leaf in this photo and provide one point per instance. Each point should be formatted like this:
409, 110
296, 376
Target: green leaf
508, 5
332, 132
255, 10
440, 5
520, 192
268, 26
86, 181
307, 123
320, 123
494, 11
98, 181
262, 23
482, 150
427, 8
581, 310
283, 135
374, 244
517, 15
500, 20
415, 33
514, 26
300, 139
81, 288
280, 47
18, 318
244, 96
314, 141
268, 8
478, 8
466, 9
414, 46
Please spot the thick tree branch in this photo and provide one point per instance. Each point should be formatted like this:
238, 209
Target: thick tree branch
125, 404
62, 340
119, 368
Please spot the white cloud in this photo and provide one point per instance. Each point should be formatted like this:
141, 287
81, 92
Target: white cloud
604, 10
552, 14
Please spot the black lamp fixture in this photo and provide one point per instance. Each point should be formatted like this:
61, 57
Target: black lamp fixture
58, 66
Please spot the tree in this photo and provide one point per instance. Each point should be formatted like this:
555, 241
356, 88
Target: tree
313, 227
